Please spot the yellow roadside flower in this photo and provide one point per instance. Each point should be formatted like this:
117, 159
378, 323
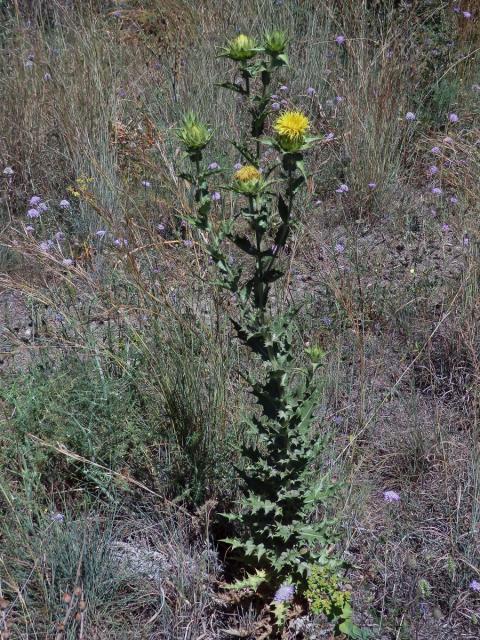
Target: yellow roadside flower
246, 173
247, 180
291, 127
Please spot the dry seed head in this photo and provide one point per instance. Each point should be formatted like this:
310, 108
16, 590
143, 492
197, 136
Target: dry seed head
67, 598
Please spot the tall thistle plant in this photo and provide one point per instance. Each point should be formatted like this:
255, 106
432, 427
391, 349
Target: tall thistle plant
281, 536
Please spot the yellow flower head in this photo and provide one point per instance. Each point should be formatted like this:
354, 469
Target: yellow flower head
291, 126
247, 173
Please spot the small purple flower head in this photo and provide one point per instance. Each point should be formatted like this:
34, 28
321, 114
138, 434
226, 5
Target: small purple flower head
146, 183
284, 103
42, 206
45, 246
34, 200
8, 171
216, 196
188, 243
120, 242
67, 262
160, 227
410, 116
372, 185
391, 496
276, 106
274, 97
445, 227
339, 99
317, 203
58, 517
329, 136
59, 236
448, 140
213, 166
436, 150
467, 14
339, 247
47, 77
283, 88
101, 233
432, 170
237, 166
340, 39
465, 241
64, 204
33, 213
456, 9
343, 188
311, 92
29, 228
453, 118
474, 585
454, 200
437, 191
285, 593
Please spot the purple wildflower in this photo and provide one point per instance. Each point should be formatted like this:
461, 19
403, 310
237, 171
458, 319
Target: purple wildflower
465, 241
467, 14
448, 140
437, 191
45, 246
120, 242
343, 188
391, 496
339, 99
274, 97
29, 228
160, 227
453, 118
285, 593
34, 200
213, 165
67, 262
474, 585
59, 236
340, 39
435, 150
64, 204
100, 233
283, 88
433, 170
317, 203
456, 9
47, 77
8, 171
276, 106
329, 136
454, 200
58, 517
146, 183
237, 166
410, 116
372, 185
216, 196
33, 213
42, 206
311, 92
284, 103
339, 247
188, 243
445, 227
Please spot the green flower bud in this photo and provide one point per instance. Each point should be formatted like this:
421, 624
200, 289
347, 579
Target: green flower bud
275, 43
240, 48
194, 134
